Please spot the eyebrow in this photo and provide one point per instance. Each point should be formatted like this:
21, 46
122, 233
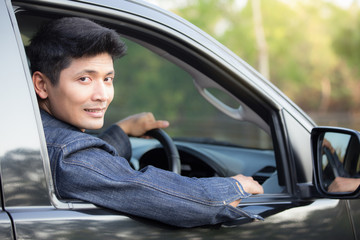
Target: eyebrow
93, 71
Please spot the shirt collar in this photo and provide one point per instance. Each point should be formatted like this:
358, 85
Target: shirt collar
50, 121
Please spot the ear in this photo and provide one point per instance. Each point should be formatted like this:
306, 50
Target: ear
40, 82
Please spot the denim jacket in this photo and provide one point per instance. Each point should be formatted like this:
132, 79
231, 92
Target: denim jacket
91, 169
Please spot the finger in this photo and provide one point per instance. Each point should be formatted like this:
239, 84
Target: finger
158, 124
255, 188
260, 190
162, 124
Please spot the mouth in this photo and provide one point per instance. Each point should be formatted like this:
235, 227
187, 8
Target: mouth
95, 112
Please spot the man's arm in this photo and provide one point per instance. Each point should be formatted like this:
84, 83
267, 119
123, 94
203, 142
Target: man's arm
137, 125
117, 138
341, 184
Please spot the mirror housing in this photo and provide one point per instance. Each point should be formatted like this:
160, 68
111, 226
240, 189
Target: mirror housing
336, 159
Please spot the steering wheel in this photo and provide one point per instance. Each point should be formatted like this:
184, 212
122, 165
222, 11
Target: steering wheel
170, 149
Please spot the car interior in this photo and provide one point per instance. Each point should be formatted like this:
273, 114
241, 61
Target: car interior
216, 133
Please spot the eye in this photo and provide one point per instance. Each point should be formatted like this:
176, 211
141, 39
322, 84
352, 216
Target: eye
109, 79
84, 79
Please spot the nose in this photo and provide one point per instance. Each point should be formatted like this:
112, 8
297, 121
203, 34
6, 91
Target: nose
100, 92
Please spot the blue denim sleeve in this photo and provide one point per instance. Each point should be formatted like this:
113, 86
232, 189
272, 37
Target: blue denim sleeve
92, 174
117, 138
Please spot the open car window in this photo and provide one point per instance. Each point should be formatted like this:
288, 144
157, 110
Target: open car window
146, 81
151, 78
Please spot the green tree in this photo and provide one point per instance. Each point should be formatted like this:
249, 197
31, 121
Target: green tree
346, 42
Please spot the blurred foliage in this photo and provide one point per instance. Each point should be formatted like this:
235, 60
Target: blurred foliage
313, 46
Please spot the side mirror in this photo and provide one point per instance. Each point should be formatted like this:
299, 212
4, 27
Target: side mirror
336, 162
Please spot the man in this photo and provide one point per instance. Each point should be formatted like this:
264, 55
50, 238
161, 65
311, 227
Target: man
72, 69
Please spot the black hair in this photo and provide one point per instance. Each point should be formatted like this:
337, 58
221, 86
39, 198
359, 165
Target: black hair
58, 42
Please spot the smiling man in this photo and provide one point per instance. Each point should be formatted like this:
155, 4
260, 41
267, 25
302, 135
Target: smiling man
72, 69
83, 93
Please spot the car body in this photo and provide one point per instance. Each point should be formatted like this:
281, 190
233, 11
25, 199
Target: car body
294, 204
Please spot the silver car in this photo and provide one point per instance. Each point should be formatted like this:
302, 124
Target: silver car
226, 119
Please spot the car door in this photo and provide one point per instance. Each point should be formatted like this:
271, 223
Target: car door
354, 207
6, 69
354, 210
30, 210
291, 214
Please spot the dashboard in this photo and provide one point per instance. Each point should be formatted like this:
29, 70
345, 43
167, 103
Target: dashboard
208, 160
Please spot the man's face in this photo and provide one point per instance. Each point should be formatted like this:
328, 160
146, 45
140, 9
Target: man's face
83, 93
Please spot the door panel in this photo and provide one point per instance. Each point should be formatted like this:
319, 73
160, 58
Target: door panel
5, 227
355, 213
324, 218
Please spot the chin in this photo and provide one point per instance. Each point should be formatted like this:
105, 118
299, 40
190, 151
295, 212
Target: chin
93, 125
